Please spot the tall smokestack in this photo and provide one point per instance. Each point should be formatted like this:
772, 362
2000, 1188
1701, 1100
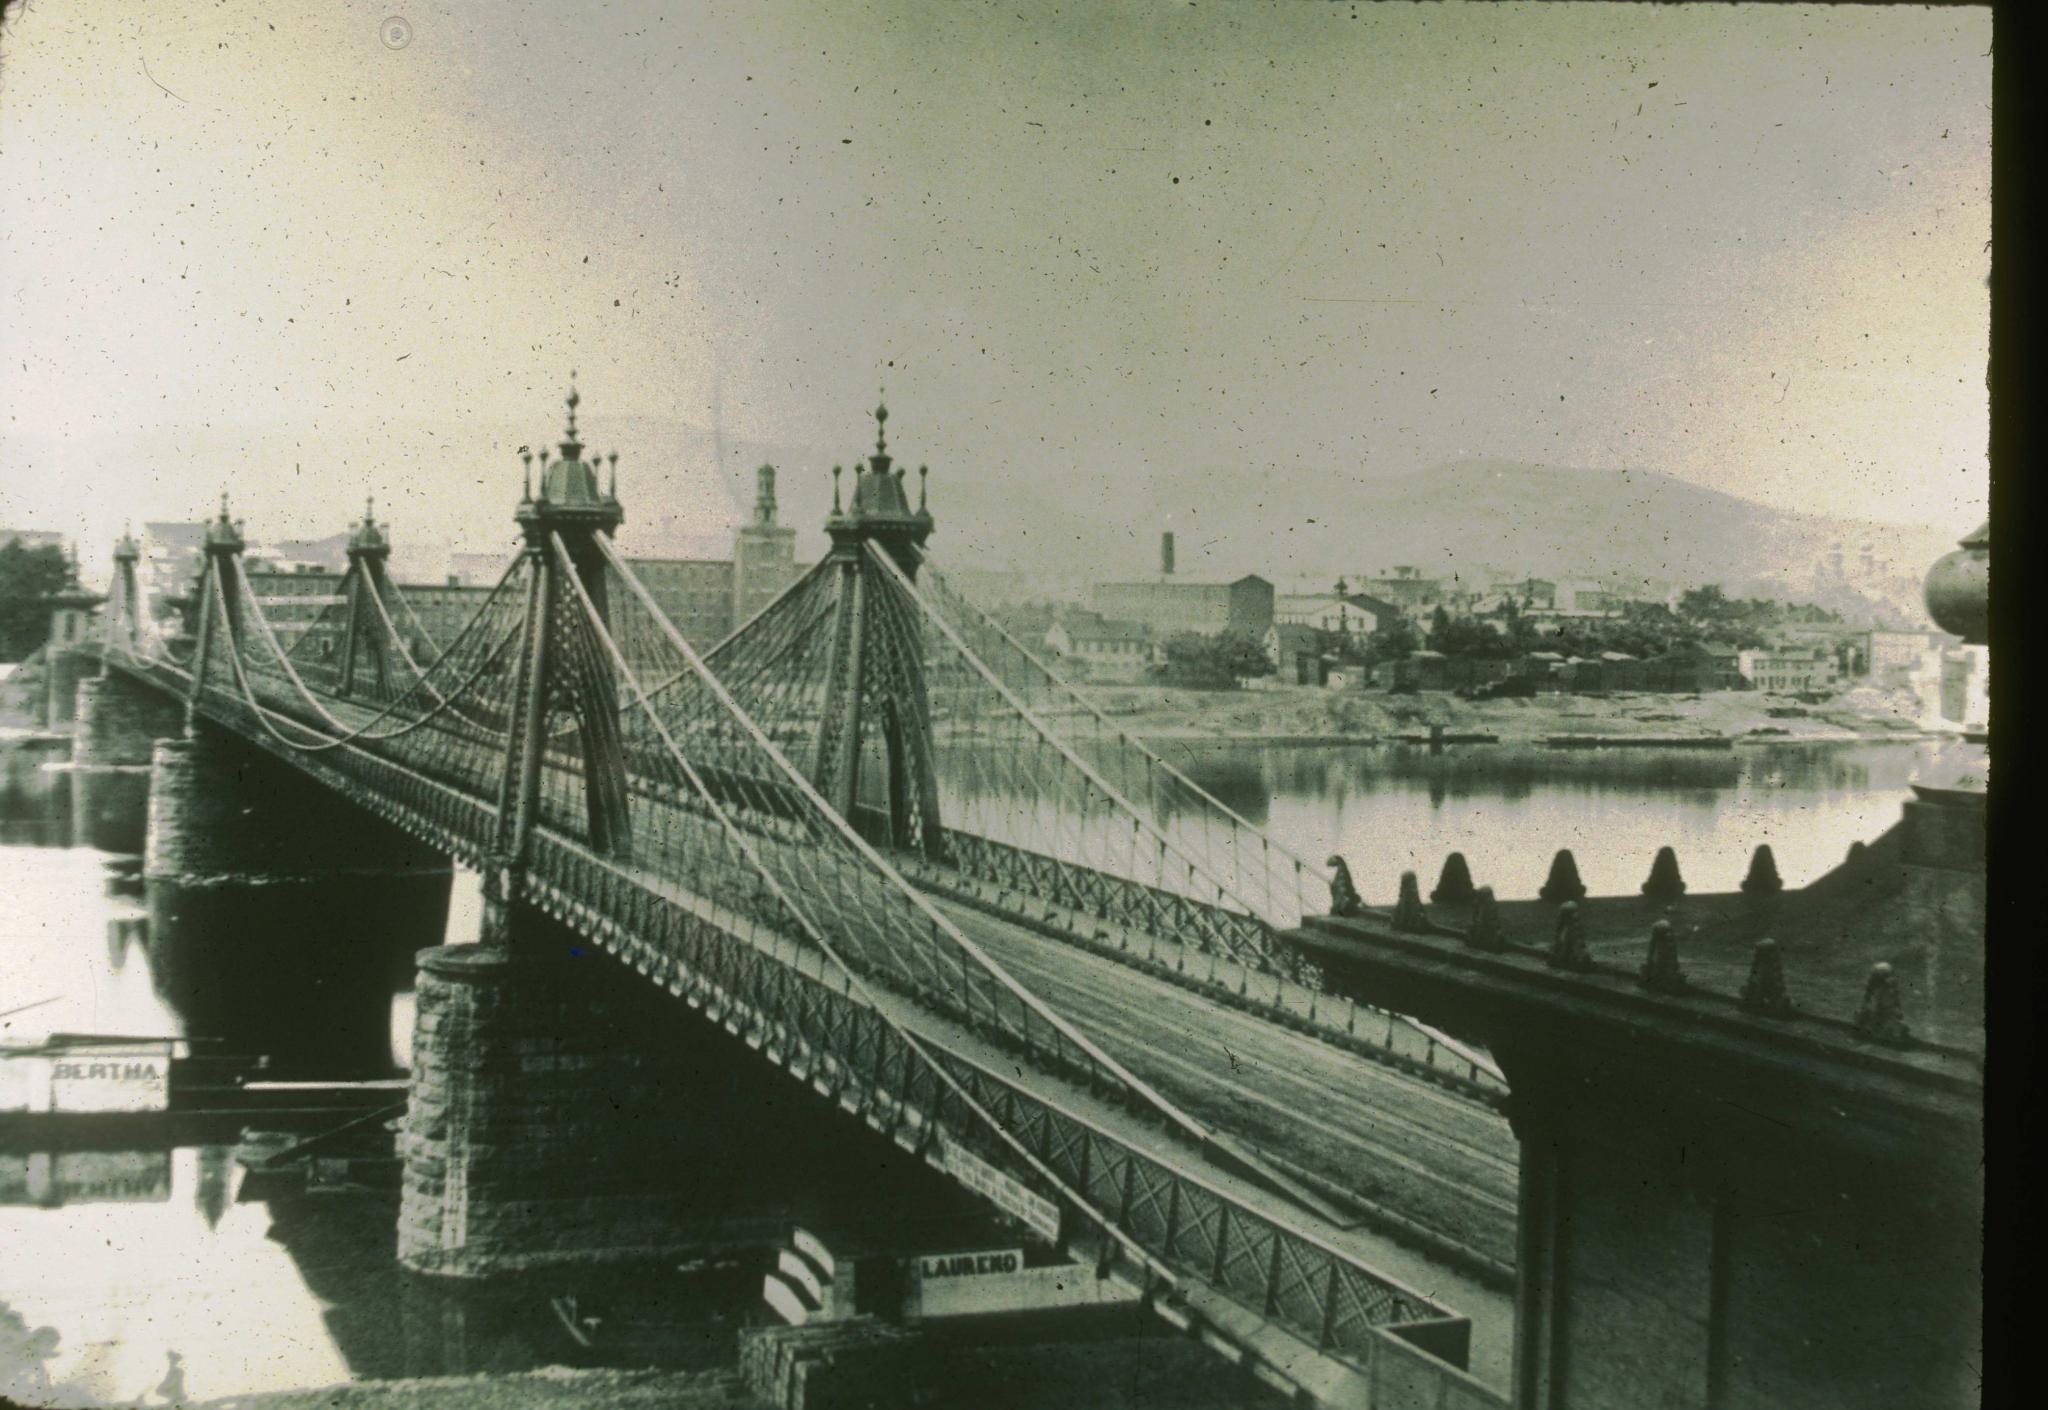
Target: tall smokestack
1166, 554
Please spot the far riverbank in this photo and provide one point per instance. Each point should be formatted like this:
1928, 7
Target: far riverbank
1315, 717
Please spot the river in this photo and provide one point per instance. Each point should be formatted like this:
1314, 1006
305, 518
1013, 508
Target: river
1510, 808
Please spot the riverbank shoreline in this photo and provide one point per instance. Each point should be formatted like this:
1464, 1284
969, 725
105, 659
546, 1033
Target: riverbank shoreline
1310, 717
524, 1390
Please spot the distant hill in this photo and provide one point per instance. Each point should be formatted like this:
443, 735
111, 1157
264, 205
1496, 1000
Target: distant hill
1469, 518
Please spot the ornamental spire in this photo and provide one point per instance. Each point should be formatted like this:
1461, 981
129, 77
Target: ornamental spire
572, 445
881, 426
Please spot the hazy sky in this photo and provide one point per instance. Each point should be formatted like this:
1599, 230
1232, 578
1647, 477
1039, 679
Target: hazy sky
1084, 244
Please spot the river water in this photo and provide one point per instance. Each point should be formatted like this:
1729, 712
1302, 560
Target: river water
1509, 809
153, 1269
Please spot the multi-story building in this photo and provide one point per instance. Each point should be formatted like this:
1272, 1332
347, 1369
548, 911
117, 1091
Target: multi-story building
1583, 595
1098, 648
1899, 658
695, 593
1850, 646
1171, 605
1789, 669
1341, 613
1406, 588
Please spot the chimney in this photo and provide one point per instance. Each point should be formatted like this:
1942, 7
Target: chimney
1166, 554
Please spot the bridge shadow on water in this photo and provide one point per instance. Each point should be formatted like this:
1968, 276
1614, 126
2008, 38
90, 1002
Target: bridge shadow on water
304, 972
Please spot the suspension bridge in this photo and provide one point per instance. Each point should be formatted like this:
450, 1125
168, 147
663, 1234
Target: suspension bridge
872, 834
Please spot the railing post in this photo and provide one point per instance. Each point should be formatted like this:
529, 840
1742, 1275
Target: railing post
1273, 1276
1222, 1239
1329, 1333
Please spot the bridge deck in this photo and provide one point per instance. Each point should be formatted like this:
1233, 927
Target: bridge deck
1395, 1140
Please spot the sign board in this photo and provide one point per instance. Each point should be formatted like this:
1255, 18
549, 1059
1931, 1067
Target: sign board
1008, 1194
101, 1080
86, 1079
932, 1266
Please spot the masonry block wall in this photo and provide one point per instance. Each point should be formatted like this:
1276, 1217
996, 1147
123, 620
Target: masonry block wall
63, 672
119, 723
553, 1108
1667, 1273
219, 807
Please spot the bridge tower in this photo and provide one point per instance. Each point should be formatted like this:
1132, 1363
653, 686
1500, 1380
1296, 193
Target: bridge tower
123, 620
555, 1108
224, 544
365, 649
65, 658
876, 704
558, 672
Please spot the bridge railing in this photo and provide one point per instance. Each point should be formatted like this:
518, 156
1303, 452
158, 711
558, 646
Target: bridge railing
794, 1002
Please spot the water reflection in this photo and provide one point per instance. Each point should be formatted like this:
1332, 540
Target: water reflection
35, 800
1508, 808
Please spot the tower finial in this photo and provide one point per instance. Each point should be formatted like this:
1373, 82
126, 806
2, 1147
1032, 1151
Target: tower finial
612, 484
835, 490
881, 422
369, 509
573, 401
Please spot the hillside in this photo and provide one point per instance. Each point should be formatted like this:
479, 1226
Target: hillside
1468, 518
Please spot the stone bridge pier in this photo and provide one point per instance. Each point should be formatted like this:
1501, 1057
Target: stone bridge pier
282, 916
565, 1110
119, 722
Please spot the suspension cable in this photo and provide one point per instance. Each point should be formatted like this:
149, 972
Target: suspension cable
1123, 735
1247, 1158
348, 735
1087, 770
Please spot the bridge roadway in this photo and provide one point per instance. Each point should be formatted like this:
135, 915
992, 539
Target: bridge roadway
1394, 1140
